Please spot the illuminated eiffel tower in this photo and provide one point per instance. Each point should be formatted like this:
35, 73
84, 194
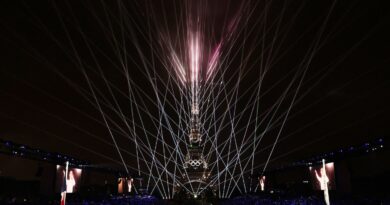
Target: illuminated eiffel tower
195, 173
196, 167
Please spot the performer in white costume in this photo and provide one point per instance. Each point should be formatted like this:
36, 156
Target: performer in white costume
70, 182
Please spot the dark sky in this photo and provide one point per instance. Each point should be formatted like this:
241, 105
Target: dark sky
349, 103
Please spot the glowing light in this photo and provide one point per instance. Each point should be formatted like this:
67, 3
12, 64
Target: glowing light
194, 57
78, 171
213, 62
179, 68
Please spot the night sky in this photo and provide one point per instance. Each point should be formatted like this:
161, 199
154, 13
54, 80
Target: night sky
349, 103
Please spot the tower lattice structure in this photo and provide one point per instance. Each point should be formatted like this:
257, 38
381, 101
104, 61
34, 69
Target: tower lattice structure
196, 171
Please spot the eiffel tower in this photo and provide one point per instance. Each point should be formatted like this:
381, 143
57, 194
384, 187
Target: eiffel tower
196, 172
195, 176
